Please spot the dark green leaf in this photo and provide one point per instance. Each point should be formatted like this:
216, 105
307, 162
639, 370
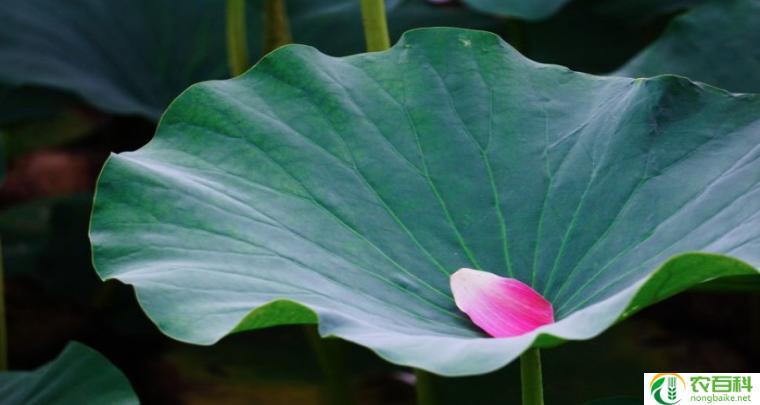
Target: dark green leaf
20, 104
45, 241
128, 57
79, 375
587, 36
715, 43
639, 11
355, 186
524, 9
643, 10
133, 57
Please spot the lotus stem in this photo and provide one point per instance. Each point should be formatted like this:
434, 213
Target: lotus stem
424, 387
337, 389
375, 25
530, 375
276, 25
3, 324
237, 44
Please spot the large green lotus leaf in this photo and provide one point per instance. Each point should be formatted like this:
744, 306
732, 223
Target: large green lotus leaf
346, 190
79, 375
715, 43
133, 57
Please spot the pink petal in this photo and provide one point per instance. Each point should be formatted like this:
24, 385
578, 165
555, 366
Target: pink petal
501, 306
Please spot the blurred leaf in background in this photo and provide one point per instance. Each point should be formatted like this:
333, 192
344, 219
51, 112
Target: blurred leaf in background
79, 375
126, 57
528, 10
22, 103
45, 241
585, 36
641, 11
716, 43
536, 10
132, 57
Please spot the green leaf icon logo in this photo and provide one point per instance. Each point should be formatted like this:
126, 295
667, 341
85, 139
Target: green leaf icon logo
664, 388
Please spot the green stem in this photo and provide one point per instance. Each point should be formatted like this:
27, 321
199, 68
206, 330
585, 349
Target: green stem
530, 375
237, 47
276, 26
3, 324
330, 358
375, 25
424, 387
